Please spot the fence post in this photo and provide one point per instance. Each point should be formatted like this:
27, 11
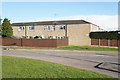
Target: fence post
21, 42
98, 42
108, 42
118, 44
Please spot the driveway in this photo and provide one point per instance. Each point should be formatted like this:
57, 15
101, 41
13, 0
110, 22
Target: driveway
79, 59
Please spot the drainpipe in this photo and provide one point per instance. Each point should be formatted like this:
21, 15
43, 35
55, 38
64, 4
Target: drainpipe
66, 31
25, 31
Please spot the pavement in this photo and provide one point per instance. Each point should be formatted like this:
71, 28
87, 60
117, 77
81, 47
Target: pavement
80, 59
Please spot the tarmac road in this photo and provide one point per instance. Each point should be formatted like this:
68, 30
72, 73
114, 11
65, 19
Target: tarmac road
79, 59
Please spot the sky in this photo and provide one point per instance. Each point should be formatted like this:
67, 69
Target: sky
103, 14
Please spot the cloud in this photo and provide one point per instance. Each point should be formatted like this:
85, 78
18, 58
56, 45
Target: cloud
107, 22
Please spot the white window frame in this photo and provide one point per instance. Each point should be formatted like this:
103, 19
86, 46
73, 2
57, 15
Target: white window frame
21, 28
31, 28
61, 27
53, 28
46, 27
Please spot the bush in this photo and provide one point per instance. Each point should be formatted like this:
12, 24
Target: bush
105, 35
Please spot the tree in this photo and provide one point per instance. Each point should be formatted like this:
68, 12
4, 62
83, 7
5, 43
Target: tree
0, 26
6, 28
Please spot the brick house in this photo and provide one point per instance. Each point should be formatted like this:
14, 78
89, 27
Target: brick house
77, 31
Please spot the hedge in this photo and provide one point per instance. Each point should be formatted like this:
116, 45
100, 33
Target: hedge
115, 35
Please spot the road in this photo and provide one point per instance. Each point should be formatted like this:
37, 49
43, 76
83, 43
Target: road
79, 59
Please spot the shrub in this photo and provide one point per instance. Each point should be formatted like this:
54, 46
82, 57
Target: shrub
105, 35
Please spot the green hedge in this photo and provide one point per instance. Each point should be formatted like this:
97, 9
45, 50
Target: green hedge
105, 35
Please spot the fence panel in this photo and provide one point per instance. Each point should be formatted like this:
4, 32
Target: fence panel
61, 42
114, 43
10, 42
94, 41
103, 42
39, 42
35, 42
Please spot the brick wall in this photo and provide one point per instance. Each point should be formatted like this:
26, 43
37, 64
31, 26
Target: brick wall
35, 42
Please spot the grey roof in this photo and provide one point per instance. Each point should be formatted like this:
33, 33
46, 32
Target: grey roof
51, 22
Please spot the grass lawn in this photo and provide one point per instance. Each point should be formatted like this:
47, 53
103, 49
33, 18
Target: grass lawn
85, 48
15, 67
89, 48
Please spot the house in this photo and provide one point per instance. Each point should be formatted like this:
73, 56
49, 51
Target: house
77, 31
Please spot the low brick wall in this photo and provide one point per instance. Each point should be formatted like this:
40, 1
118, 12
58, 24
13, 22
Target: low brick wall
35, 42
105, 42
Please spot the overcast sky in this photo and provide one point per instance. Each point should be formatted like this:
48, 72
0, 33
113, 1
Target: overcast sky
103, 14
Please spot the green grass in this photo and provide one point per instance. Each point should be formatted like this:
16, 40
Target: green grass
85, 48
17, 47
89, 48
14, 67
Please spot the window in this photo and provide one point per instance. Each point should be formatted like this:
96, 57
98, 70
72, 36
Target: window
61, 27
46, 27
21, 28
31, 28
53, 27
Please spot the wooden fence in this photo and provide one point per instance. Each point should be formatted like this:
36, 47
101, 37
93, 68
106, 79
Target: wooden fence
105, 42
34, 42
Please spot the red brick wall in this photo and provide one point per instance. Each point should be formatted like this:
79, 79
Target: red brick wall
35, 42
94, 41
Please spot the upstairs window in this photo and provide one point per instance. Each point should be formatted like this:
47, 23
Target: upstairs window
46, 27
31, 28
53, 27
21, 28
61, 27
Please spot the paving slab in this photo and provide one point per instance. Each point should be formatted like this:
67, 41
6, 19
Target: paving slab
109, 66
